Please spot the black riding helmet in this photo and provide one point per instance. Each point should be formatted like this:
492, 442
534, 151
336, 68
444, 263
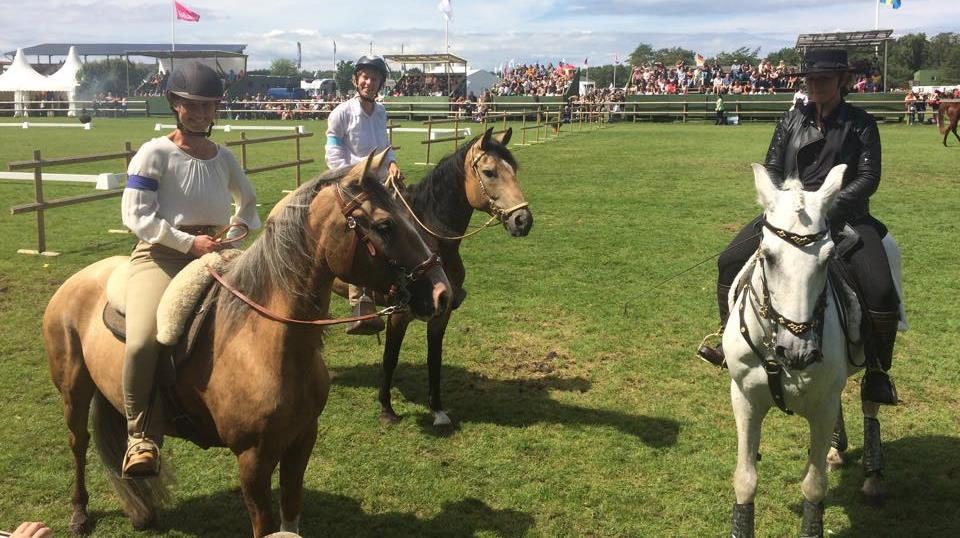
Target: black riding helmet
375, 63
194, 81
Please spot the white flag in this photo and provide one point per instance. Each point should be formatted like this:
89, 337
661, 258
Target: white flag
446, 9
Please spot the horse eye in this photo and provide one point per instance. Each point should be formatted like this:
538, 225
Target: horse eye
490, 174
383, 227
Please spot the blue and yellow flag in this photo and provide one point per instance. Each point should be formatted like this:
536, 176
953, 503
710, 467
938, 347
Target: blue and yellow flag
894, 3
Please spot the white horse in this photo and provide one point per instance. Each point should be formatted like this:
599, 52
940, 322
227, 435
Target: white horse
785, 346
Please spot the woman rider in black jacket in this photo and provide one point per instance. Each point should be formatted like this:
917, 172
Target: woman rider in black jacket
807, 143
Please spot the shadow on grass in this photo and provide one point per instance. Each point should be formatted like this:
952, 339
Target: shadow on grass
324, 514
922, 478
472, 397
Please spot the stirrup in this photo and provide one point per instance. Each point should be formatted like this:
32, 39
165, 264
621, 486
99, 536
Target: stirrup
141, 459
712, 355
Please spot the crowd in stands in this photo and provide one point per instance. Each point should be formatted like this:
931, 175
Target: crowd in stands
916, 104
260, 106
415, 83
740, 78
535, 79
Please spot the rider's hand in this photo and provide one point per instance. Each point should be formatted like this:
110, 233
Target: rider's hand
29, 529
394, 173
204, 244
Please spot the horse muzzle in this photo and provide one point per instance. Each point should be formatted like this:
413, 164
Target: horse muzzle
519, 222
430, 295
797, 352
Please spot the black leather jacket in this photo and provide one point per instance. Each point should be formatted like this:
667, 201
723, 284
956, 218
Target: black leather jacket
797, 144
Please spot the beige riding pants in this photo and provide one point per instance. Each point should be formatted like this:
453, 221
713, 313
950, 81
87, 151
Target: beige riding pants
152, 267
356, 293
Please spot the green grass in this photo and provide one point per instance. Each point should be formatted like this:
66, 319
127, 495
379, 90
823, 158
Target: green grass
573, 417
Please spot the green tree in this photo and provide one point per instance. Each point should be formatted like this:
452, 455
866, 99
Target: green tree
939, 48
671, 55
114, 76
739, 56
643, 54
282, 67
344, 76
789, 55
950, 68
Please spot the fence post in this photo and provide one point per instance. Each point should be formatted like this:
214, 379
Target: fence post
243, 151
429, 137
38, 191
129, 149
297, 140
456, 131
523, 129
685, 112
504, 120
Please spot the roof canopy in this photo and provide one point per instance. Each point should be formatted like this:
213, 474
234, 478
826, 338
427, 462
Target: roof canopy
122, 49
20, 77
425, 59
843, 40
65, 79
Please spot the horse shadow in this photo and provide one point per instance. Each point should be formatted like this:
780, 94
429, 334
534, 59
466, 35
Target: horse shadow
515, 402
922, 478
326, 514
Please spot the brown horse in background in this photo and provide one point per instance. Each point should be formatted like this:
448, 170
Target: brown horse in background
253, 385
951, 112
480, 176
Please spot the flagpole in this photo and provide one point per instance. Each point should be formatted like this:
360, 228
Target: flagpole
173, 28
446, 34
876, 23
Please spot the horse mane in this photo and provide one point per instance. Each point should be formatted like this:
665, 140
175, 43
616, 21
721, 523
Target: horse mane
796, 187
282, 257
440, 193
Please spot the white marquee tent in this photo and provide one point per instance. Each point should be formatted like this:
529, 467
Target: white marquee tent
20, 78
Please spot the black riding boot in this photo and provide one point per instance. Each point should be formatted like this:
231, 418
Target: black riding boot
876, 385
714, 355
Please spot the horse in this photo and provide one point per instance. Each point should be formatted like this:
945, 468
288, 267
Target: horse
253, 384
799, 366
950, 111
480, 176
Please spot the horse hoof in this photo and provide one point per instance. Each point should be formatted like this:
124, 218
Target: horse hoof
874, 491
389, 418
80, 524
144, 522
835, 460
440, 419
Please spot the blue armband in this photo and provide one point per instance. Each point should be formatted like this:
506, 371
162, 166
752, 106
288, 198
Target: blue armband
333, 141
142, 183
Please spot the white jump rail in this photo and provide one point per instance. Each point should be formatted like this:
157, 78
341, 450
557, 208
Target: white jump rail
102, 182
32, 124
228, 128
433, 132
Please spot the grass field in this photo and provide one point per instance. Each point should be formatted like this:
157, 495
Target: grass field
573, 415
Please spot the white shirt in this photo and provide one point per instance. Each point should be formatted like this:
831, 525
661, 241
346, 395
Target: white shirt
167, 188
352, 134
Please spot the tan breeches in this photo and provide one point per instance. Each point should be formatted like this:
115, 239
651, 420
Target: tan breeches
356, 293
152, 269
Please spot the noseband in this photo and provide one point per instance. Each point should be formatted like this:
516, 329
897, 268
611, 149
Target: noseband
763, 309
495, 209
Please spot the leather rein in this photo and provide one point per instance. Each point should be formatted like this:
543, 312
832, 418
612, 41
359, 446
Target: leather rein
397, 291
763, 309
497, 213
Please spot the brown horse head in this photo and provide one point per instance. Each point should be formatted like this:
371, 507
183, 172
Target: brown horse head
491, 182
381, 250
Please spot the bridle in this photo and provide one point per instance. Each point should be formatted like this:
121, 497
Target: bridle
764, 311
399, 293
498, 214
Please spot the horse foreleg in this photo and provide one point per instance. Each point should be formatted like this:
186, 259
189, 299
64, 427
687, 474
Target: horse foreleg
396, 330
76, 412
749, 420
838, 443
256, 468
293, 464
873, 486
436, 328
814, 486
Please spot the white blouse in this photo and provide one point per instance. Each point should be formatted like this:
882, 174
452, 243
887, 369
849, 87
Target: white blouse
352, 134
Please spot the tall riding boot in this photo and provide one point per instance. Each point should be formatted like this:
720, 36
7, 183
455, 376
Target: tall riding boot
714, 355
363, 306
876, 385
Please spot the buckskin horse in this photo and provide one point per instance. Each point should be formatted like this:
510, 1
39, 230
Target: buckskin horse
256, 382
949, 111
480, 176
790, 344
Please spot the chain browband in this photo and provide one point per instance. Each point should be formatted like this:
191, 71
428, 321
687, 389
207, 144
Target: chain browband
797, 240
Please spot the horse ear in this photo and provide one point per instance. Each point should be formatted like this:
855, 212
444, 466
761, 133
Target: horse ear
504, 137
379, 159
366, 166
485, 141
831, 185
766, 190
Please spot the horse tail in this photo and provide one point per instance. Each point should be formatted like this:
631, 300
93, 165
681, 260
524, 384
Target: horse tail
942, 125
139, 498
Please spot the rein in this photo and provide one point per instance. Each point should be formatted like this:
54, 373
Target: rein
498, 213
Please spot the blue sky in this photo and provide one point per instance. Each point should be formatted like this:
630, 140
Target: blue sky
485, 32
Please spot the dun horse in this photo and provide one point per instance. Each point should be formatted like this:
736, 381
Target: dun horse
254, 385
951, 113
786, 344
480, 176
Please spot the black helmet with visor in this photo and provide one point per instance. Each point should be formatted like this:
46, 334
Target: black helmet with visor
374, 63
194, 81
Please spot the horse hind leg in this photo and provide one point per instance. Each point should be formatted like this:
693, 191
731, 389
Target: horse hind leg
873, 486
838, 443
76, 412
140, 497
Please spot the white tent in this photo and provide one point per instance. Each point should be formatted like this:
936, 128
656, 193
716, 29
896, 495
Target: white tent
20, 78
480, 80
65, 80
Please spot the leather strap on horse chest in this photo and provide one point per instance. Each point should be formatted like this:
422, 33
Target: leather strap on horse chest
773, 369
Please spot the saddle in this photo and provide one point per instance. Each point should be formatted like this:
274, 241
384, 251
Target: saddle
182, 314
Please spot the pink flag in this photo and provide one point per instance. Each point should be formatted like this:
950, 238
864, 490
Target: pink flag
184, 13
